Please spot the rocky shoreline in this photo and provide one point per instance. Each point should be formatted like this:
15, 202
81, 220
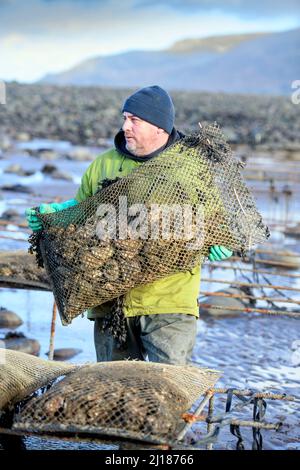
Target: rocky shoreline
91, 115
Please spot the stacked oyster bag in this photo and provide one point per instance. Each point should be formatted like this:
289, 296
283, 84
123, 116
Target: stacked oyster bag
128, 399
22, 374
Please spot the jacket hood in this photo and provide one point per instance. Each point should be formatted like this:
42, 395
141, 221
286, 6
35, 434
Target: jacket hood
120, 144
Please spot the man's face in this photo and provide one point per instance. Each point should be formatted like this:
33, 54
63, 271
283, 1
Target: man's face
141, 136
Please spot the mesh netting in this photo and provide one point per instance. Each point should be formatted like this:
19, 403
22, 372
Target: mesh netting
129, 399
22, 374
159, 220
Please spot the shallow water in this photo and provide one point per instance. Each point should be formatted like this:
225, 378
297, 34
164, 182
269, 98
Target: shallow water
253, 351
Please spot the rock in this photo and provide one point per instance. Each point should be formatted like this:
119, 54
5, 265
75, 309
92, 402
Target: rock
17, 188
80, 154
105, 143
18, 170
61, 175
9, 319
14, 168
5, 143
55, 173
63, 354
48, 169
225, 302
19, 342
9, 214
23, 137
22, 266
5, 271
294, 155
42, 154
29, 153
47, 154
28, 172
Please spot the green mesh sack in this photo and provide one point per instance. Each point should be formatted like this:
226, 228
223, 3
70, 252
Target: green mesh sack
159, 220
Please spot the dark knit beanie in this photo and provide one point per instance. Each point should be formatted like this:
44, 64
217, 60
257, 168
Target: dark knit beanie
154, 105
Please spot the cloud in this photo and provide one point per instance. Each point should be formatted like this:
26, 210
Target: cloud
47, 36
79, 16
244, 8
71, 17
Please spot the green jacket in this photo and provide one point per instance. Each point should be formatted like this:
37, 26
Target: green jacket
176, 293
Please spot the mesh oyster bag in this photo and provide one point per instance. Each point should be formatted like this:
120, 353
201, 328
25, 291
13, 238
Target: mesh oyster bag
159, 220
22, 374
129, 399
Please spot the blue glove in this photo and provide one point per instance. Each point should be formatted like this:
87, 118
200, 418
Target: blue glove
35, 223
219, 252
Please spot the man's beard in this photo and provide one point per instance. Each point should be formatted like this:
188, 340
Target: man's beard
132, 149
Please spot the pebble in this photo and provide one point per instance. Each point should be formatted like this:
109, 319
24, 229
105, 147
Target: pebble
5, 143
80, 154
55, 173
19, 342
9, 319
9, 214
48, 169
18, 170
61, 175
63, 354
23, 137
17, 188
224, 302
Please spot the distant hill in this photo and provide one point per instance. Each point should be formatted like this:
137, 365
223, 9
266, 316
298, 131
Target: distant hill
219, 44
251, 63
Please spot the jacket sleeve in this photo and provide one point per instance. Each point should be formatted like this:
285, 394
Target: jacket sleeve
86, 188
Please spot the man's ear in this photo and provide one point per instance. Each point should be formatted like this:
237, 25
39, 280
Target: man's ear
160, 131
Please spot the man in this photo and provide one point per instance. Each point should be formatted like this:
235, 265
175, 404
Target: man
161, 317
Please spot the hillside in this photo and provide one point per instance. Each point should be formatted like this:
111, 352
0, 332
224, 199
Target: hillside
254, 63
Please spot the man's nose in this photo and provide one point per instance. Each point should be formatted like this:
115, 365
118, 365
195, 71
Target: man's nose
126, 125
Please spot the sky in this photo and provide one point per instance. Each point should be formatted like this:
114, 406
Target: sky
48, 36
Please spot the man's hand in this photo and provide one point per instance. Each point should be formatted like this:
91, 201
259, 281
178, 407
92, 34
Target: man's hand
31, 214
219, 252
